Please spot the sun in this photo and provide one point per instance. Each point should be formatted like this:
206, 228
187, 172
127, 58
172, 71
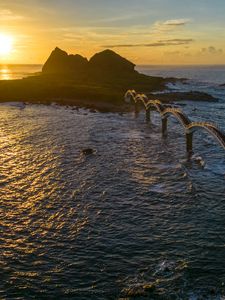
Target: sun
6, 44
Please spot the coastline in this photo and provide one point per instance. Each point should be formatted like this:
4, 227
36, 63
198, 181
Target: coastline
99, 83
102, 96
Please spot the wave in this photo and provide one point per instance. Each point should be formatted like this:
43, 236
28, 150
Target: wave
214, 90
208, 78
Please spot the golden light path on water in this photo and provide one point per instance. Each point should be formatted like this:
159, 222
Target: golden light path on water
107, 225
10, 72
5, 73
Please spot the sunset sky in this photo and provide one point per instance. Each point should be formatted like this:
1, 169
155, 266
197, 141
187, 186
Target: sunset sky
145, 31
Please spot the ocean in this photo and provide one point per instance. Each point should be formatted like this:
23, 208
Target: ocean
202, 73
208, 78
10, 72
134, 220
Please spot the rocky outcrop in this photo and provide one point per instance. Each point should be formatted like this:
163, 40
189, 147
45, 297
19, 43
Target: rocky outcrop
107, 62
183, 96
59, 62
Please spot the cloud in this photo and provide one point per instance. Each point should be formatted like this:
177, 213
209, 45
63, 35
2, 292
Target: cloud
172, 53
8, 15
178, 41
177, 53
119, 18
170, 25
211, 50
161, 43
176, 22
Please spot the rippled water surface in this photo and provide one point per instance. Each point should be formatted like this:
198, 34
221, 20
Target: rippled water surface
10, 72
135, 219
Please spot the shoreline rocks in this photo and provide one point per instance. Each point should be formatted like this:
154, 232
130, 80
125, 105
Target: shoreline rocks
183, 96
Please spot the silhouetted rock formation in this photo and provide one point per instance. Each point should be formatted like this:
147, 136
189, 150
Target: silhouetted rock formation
107, 62
59, 62
96, 84
110, 62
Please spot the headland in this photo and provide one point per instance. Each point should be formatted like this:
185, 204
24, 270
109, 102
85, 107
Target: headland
99, 83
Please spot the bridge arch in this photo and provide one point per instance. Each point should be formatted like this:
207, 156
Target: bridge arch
211, 129
178, 114
165, 113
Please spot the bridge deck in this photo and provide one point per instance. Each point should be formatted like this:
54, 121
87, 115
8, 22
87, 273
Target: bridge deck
165, 112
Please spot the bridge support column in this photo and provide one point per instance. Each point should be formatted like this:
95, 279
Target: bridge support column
136, 109
148, 115
164, 126
189, 143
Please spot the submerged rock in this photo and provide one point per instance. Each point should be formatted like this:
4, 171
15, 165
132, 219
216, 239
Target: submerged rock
88, 151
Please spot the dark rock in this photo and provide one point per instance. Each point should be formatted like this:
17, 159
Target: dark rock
167, 269
213, 291
60, 62
183, 96
92, 110
87, 151
107, 62
56, 61
111, 62
77, 62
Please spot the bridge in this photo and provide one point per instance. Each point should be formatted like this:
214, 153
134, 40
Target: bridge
165, 112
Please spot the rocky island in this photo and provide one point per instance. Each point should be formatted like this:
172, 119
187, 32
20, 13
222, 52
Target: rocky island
98, 83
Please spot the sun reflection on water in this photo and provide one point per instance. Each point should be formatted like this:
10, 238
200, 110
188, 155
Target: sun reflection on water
5, 73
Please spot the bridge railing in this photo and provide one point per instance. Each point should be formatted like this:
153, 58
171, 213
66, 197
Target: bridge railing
189, 127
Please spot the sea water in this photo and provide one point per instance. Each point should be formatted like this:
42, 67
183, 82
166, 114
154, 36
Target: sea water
134, 220
10, 72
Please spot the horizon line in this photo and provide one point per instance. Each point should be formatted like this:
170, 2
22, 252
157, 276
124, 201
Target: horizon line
141, 64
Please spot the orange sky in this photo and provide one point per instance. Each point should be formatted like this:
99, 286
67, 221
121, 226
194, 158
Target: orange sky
147, 32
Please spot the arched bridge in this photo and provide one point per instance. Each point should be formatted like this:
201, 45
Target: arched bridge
165, 112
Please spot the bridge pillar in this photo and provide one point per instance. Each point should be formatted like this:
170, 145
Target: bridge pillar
148, 115
189, 142
164, 126
136, 109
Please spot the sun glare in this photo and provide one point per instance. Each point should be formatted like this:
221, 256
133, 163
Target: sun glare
6, 43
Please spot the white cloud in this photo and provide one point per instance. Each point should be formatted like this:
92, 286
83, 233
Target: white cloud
176, 22
170, 25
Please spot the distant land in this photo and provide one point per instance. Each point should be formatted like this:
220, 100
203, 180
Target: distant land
99, 83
